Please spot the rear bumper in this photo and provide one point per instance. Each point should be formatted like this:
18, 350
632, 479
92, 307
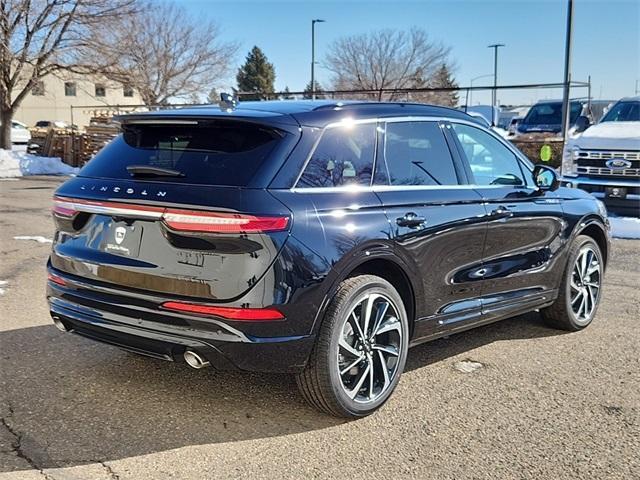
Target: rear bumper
164, 335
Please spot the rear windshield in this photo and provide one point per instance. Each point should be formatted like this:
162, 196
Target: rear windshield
551, 114
212, 153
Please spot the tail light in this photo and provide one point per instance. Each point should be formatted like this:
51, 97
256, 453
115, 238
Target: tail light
194, 221
52, 277
175, 219
63, 207
230, 313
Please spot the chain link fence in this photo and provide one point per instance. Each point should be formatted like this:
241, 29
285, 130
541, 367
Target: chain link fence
77, 146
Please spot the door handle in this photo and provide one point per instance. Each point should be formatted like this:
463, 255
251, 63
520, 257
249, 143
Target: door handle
501, 212
410, 220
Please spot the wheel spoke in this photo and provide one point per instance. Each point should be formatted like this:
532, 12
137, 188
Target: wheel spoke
388, 326
583, 265
574, 285
366, 315
371, 378
351, 365
348, 348
577, 271
358, 327
385, 369
592, 298
363, 376
593, 268
388, 349
583, 304
577, 297
380, 313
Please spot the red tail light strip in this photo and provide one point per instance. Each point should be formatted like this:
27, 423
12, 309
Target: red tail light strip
67, 207
231, 313
176, 219
52, 277
191, 221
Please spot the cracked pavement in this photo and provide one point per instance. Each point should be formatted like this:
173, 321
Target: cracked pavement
544, 404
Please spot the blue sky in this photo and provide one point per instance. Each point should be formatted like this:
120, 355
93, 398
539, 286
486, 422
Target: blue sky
606, 37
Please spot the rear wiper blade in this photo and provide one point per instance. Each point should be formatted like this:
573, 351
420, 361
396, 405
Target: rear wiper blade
149, 170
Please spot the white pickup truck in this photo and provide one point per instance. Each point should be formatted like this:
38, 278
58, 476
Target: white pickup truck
604, 159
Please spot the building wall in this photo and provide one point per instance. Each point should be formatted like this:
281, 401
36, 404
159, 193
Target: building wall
55, 105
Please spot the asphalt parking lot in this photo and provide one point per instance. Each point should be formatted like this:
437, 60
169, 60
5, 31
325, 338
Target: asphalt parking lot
544, 404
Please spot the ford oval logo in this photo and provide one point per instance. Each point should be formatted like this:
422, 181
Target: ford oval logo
618, 163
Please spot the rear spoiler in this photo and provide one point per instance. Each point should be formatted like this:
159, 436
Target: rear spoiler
193, 117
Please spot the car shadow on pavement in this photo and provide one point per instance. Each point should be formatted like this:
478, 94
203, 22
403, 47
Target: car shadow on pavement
530, 325
67, 401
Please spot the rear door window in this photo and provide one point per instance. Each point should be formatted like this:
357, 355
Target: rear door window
415, 153
214, 153
343, 156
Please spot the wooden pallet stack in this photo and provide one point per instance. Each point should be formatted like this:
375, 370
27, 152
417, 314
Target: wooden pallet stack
101, 130
73, 147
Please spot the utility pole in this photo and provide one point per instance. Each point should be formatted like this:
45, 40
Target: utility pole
567, 73
313, 55
494, 92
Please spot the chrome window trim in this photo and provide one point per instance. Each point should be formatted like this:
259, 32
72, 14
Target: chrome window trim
397, 188
407, 118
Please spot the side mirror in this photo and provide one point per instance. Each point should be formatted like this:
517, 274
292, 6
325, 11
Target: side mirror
582, 123
545, 178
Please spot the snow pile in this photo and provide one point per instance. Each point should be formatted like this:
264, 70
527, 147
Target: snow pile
18, 164
625, 227
35, 238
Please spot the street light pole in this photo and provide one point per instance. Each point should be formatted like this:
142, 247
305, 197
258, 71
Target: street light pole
471, 86
313, 55
494, 93
567, 73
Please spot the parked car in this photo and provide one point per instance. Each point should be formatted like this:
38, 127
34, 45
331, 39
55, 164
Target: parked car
485, 122
54, 124
546, 117
20, 134
604, 159
318, 238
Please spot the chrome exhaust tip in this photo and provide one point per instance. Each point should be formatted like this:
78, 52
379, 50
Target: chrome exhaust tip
59, 325
194, 360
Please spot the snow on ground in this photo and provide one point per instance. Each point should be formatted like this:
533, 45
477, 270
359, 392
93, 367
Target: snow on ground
18, 164
3, 284
625, 227
35, 238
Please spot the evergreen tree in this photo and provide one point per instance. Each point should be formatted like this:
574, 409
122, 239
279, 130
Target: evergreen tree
286, 94
256, 75
442, 78
318, 89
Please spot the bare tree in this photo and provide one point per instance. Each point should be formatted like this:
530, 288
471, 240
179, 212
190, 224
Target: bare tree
164, 53
385, 59
42, 37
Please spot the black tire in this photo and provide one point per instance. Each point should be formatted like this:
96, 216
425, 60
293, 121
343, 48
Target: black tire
561, 314
321, 383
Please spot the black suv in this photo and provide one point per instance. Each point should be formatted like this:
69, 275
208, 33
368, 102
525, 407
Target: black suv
318, 238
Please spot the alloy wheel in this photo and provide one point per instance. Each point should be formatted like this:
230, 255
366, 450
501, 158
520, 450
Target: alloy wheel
369, 348
585, 284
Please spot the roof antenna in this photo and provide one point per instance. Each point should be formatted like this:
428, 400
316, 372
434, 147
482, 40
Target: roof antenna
228, 102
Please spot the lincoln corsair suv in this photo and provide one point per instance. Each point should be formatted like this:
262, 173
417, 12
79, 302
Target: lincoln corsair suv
319, 238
